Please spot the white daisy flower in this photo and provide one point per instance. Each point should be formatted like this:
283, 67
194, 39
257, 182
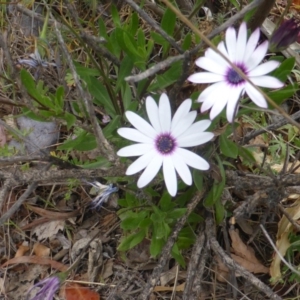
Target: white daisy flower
229, 85
161, 142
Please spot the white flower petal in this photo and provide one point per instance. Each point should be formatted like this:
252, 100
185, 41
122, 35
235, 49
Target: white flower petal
181, 112
210, 94
170, 175
141, 163
209, 65
264, 68
182, 169
267, 81
241, 43
192, 159
251, 44
151, 171
221, 47
230, 38
205, 77
217, 58
195, 139
218, 106
152, 111
257, 56
140, 124
256, 96
184, 124
214, 56
135, 150
232, 103
164, 110
197, 127
134, 135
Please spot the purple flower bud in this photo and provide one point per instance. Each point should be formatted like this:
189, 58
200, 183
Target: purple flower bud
48, 288
285, 35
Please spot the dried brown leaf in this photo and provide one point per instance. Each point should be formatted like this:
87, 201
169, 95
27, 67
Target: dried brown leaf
244, 255
22, 249
35, 260
49, 229
41, 250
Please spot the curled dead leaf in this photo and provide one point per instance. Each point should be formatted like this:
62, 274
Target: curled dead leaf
244, 255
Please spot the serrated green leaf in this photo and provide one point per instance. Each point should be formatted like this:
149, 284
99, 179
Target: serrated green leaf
70, 119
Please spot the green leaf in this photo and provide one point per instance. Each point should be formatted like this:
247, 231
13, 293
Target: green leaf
141, 42
83, 142
101, 162
112, 126
132, 240
156, 246
177, 255
176, 213
198, 179
169, 77
284, 69
29, 83
84, 72
165, 202
235, 3
246, 154
115, 16
125, 70
220, 211
168, 21
280, 95
228, 147
158, 39
59, 97
97, 89
134, 23
217, 188
127, 97
70, 119
132, 222
186, 44
102, 29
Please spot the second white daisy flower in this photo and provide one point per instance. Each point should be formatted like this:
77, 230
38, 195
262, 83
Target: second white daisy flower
228, 84
162, 142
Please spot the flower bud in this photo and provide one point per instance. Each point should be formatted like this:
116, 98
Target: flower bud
285, 35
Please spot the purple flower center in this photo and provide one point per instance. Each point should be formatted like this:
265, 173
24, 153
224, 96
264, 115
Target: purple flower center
233, 77
165, 143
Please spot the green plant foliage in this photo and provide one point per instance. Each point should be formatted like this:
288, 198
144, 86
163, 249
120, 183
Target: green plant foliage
154, 222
